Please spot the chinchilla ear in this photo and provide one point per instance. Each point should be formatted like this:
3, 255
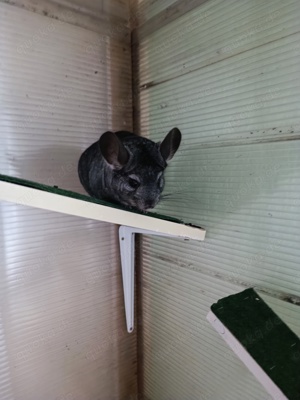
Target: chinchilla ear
113, 150
170, 144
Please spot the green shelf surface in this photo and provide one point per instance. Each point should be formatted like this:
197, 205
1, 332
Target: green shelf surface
269, 341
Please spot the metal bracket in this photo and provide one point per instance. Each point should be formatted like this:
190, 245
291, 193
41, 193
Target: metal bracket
127, 248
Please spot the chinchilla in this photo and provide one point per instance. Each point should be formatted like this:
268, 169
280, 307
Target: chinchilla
127, 169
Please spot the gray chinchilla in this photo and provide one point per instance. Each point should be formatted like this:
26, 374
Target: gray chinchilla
127, 169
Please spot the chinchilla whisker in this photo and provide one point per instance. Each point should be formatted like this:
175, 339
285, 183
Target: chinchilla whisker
172, 194
183, 191
180, 194
177, 191
181, 199
185, 199
178, 199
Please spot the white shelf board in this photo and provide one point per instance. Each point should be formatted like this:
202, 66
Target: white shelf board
131, 223
28, 196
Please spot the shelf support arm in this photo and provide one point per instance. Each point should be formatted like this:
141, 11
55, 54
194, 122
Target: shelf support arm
127, 250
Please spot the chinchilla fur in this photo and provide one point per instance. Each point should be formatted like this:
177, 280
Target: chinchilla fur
127, 169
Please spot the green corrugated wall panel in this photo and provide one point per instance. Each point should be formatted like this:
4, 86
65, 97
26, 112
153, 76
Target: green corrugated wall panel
227, 74
183, 357
216, 31
252, 96
146, 9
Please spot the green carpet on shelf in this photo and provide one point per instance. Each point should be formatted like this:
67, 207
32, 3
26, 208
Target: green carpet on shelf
270, 342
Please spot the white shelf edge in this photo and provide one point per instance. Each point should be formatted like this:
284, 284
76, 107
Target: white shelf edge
246, 358
58, 203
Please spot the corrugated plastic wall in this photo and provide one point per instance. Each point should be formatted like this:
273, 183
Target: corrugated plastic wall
62, 324
147, 9
227, 74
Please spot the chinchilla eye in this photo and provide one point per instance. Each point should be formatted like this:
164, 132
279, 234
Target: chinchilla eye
160, 179
159, 176
134, 183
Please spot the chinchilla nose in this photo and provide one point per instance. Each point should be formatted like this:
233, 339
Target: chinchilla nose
150, 204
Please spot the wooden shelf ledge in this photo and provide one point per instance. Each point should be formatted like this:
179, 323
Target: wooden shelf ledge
49, 198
